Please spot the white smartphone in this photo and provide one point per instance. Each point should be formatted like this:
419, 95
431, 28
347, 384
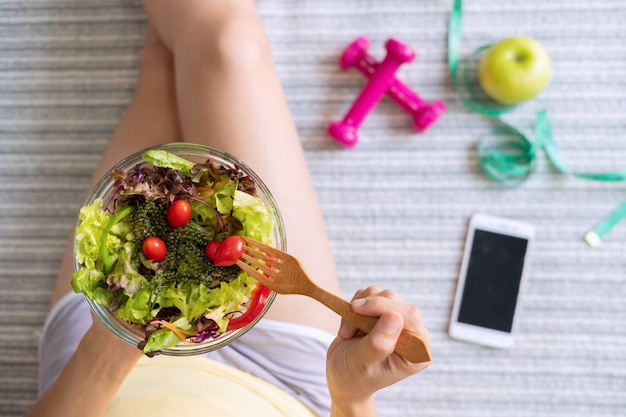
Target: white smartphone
491, 280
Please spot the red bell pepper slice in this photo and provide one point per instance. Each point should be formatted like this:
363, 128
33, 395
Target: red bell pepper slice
258, 299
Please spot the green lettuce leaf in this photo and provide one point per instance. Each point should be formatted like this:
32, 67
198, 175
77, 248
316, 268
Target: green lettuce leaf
224, 198
164, 159
93, 220
165, 338
91, 283
255, 216
136, 308
203, 215
228, 298
161, 339
124, 274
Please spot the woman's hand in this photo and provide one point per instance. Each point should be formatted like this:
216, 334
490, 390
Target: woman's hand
360, 364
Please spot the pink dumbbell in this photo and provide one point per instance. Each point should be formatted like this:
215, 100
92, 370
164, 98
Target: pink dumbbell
424, 114
345, 132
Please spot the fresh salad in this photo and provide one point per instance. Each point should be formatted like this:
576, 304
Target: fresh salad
160, 252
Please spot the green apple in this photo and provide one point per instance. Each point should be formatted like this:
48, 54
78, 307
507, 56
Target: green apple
514, 70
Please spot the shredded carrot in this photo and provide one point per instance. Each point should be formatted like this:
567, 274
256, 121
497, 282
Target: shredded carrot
204, 192
178, 332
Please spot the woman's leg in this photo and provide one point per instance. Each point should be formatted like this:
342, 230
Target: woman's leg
230, 97
150, 119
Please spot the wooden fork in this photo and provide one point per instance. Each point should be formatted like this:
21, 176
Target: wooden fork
284, 274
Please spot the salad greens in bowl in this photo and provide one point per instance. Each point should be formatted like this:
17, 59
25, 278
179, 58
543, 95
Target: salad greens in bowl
156, 245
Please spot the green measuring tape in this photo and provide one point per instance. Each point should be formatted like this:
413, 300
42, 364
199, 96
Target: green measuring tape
506, 155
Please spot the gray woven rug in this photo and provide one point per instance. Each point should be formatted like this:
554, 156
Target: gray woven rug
396, 205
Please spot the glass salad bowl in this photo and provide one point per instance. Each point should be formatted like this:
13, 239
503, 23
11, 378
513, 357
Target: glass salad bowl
141, 310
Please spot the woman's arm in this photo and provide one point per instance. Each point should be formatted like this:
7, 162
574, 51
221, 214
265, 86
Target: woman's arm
91, 377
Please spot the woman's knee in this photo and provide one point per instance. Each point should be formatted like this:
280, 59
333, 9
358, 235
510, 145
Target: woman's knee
234, 41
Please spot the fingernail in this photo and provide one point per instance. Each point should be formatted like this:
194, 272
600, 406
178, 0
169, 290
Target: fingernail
358, 302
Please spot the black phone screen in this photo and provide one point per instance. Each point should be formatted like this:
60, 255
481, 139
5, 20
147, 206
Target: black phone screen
492, 282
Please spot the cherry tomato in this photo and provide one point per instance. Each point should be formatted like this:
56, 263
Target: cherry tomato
229, 251
154, 248
179, 213
211, 248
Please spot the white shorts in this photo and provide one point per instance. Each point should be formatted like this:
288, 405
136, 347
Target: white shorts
289, 356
